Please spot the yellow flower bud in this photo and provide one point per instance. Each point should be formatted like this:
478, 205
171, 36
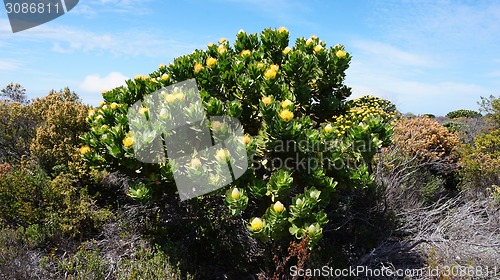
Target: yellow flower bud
278, 207
222, 40
128, 141
143, 110
102, 103
235, 194
210, 44
286, 115
195, 163
314, 37
286, 103
222, 154
287, 50
328, 128
113, 105
197, 67
246, 139
161, 66
340, 53
267, 100
170, 98
318, 48
260, 65
309, 42
211, 61
270, 74
91, 112
246, 53
282, 30
221, 49
275, 67
164, 77
84, 150
216, 125
256, 224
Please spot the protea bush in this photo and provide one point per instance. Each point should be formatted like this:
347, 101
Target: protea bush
304, 141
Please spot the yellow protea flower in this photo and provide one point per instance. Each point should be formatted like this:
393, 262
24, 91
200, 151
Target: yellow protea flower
91, 113
170, 98
216, 125
140, 77
246, 53
267, 100
211, 61
179, 96
197, 67
274, 67
340, 53
318, 48
328, 128
235, 194
270, 74
314, 37
104, 92
143, 110
246, 139
102, 103
221, 49
222, 40
287, 50
164, 77
162, 66
286, 115
309, 42
128, 141
282, 30
222, 154
84, 150
278, 207
286, 103
256, 224
113, 105
104, 107
195, 163
260, 65
210, 44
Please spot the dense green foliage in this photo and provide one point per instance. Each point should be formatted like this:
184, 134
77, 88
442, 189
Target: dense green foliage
463, 113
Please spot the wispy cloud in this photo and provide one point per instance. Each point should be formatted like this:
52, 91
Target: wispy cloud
92, 8
69, 40
9, 65
392, 55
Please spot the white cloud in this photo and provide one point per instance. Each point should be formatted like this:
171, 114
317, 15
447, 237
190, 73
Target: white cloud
94, 83
9, 65
93, 8
389, 54
68, 40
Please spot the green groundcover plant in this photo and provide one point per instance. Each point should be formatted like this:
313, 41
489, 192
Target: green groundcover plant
304, 140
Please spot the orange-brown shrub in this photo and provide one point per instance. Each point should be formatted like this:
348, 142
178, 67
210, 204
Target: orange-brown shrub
426, 139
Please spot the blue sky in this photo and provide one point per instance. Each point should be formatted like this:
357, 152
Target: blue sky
425, 56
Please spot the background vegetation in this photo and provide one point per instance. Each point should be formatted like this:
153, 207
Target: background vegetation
415, 191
